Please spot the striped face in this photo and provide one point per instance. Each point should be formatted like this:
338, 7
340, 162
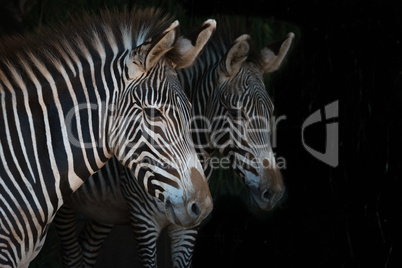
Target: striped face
156, 143
73, 97
241, 112
151, 134
155, 130
243, 133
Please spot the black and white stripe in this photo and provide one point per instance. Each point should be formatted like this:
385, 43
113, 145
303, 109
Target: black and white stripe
228, 101
74, 96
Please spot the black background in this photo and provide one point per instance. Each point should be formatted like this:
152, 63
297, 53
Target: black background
348, 216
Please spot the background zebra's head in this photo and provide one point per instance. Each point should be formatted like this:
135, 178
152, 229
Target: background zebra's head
241, 117
151, 134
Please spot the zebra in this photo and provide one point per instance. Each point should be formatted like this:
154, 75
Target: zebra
227, 70
74, 96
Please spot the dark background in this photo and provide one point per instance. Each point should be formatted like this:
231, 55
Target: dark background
348, 216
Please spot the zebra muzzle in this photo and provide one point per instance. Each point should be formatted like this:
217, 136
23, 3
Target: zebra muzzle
195, 205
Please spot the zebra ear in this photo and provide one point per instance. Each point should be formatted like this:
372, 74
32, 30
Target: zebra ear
271, 61
236, 55
161, 45
187, 48
148, 54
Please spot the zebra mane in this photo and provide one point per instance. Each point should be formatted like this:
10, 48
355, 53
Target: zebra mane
83, 34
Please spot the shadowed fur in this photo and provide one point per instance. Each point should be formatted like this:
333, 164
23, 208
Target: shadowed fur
126, 29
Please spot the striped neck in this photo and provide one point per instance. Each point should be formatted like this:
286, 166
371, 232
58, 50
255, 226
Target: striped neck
60, 88
200, 84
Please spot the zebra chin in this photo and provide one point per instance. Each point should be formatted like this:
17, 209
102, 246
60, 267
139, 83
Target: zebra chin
193, 206
266, 189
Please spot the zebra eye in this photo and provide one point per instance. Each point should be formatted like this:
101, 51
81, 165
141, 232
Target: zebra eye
153, 112
236, 113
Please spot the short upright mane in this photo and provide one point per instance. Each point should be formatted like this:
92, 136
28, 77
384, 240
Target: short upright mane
126, 29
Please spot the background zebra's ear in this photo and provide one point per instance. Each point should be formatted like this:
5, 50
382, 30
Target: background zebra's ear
146, 55
187, 48
236, 55
271, 61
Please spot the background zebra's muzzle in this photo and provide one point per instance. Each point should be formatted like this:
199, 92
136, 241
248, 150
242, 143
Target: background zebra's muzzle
194, 205
266, 189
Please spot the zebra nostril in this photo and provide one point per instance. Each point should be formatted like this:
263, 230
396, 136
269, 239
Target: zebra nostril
195, 210
266, 196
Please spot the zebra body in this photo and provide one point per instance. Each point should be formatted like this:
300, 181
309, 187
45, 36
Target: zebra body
224, 70
71, 98
100, 199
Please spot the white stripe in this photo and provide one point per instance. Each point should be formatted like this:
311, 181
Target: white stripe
102, 128
78, 117
18, 80
67, 47
103, 113
28, 184
15, 202
126, 31
13, 231
33, 135
72, 177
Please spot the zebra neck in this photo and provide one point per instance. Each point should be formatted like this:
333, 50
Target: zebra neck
58, 114
200, 83
203, 107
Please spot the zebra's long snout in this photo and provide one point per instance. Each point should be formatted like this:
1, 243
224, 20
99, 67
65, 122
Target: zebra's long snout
194, 205
274, 192
202, 205
270, 189
264, 182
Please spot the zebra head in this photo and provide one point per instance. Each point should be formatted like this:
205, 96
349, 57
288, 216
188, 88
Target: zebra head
151, 133
243, 111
